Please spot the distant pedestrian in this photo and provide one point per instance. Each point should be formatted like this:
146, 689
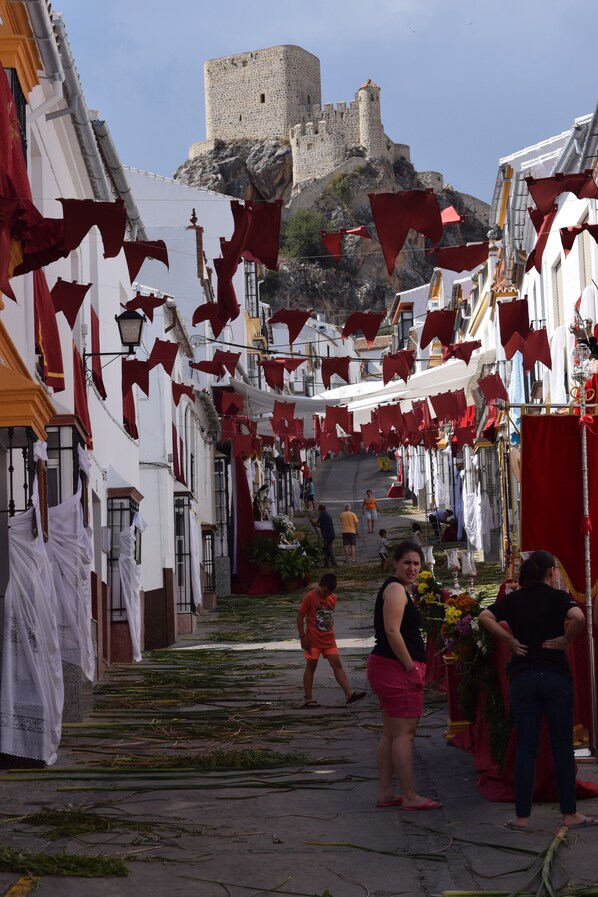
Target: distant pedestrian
349, 528
370, 509
383, 548
326, 526
439, 516
418, 536
315, 624
310, 495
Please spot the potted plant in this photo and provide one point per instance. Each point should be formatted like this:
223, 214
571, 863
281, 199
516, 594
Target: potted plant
292, 565
261, 552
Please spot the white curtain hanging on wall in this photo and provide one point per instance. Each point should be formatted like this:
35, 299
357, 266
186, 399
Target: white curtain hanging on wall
130, 582
195, 545
32, 694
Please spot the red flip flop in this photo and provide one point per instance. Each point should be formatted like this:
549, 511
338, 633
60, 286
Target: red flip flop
395, 802
428, 804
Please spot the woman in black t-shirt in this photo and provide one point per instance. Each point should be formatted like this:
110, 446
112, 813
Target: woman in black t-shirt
541, 684
397, 672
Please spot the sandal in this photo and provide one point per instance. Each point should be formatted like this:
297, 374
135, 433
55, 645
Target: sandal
356, 696
309, 703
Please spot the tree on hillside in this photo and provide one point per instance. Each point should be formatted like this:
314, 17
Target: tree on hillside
301, 237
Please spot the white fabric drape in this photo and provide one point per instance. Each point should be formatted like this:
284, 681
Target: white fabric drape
70, 551
486, 521
195, 547
32, 694
130, 582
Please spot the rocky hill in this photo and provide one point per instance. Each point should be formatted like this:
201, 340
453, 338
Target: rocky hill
308, 276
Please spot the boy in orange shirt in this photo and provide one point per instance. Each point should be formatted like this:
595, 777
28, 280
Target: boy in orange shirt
315, 623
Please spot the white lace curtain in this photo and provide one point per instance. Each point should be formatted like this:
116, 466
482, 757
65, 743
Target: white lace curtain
130, 582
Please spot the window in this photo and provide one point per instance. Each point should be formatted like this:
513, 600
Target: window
209, 581
20, 107
221, 499
405, 325
251, 290
262, 98
254, 370
308, 100
182, 555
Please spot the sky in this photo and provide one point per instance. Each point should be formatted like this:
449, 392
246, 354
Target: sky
463, 82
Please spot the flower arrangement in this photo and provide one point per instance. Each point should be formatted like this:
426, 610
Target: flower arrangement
428, 598
460, 630
284, 526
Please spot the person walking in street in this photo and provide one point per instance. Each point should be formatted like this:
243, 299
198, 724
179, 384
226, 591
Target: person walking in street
370, 509
396, 673
349, 529
383, 549
541, 685
315, 624
310, 495
326, 526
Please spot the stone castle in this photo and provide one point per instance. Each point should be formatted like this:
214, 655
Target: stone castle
276, 94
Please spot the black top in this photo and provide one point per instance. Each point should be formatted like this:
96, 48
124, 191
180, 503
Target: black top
326, 525
536, 613
410, 628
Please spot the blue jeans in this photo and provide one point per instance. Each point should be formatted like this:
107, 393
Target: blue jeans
535, 694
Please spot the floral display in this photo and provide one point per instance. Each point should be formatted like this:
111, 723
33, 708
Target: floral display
285, 527
428, 598
460, 629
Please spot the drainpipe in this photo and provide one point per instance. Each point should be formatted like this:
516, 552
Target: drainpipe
41, 26
112, 160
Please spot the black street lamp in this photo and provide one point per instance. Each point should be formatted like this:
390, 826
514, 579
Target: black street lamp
130, 329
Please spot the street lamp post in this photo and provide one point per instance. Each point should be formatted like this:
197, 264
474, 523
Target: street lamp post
130, 329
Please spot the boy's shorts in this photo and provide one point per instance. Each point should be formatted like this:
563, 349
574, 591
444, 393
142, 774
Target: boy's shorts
349, 539
314, 652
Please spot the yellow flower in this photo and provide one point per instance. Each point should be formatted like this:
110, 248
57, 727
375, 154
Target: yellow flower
422, 587
452, 614
425, 574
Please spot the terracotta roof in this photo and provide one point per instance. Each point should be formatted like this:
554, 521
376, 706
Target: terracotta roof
381, 342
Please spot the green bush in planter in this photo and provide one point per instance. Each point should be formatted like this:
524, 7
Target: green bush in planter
261, 551
292, 564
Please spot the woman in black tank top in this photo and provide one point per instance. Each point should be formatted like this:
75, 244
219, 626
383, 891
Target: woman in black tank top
396, 672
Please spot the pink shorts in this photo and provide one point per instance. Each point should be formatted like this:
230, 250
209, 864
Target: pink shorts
315, 651
400, 693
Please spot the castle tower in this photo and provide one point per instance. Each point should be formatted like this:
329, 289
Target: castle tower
371, 133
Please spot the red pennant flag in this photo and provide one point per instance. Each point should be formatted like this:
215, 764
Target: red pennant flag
338, 415
96, 361
147, 304
130, 415
514, 320
332, 241
263, 239
389, 417
462, 351
232, 402
439, 324
360, 231
465, 257
543, 225
568, 234
80, 215
422, 408
68, 297
544, 191
181, 389
242, 446
370, 435
283, 411
492, 388
47, 338
226, 298
450, 216
210, 312
135, 372
163, 352
273, 373
293, 318
215, 368
463, 436
536, 349
339, 365
229, 360
396, 213
400, 363
80, 394
329, 442
137, 251
368, 322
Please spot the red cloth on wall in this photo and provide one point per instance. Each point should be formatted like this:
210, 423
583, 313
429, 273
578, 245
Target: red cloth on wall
462, 351
338, 415
367, 321
232, 402
163, 352
67, 297
96, 361
536, 348
294, 318
135, 372
274, 370
283, 411
80, 215
465, 257
439, 324
228, 360
492, 388
338, 365
396, 213
80, 395
330, 442
209, 311
47, 338
130, 415
263, 238
514, 319
544, 191
370, 434
568, 234
208, 367
543, 224
400, 363
137, 251
332, 240
226, 298
147, 304
182, 389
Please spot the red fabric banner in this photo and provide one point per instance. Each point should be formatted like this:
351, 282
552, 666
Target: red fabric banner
339, 365
450, 216
242, 445
568, 234
80, 215
283, 411
137, 251
215, 368
465, 257
367, 321
332, 240
330, 442
182, 389
294, 318
96, 361
130, 415
176, 466
67, 297
263, 238
492, 388
439, 324
338, 415
47, 338
395, 214
226, 298
232, 402
536, 348
400, 363
274, 370
370, 434
422, 409
544, 191
542, 224
360, 231
228, 360
462, 351
147, 304
163, 352
389, 417
80, 395
135, 372
514, 319
209, 311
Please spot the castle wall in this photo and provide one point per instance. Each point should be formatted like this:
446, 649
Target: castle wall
316, 150
260, 94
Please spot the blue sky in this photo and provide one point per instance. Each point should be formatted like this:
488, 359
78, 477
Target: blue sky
464, 82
